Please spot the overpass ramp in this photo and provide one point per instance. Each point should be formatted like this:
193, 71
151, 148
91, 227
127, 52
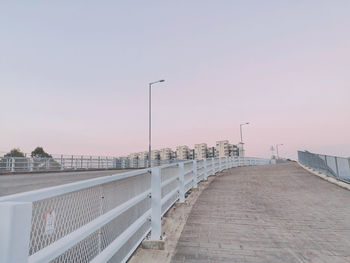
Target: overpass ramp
271, 213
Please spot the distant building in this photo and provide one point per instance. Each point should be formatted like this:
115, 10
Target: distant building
182, 152
200, 151
133, 160
155, 155
123, 162
191, 154
166, 154
143, 155
211, 152
234, 150
222, 148
132, 156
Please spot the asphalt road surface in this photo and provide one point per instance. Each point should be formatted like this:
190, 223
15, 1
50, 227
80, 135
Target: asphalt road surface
11, 184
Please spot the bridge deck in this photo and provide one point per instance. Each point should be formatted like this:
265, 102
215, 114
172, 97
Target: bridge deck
274, 213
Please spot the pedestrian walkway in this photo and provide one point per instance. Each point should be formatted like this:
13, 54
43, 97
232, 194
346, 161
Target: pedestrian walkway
272, 213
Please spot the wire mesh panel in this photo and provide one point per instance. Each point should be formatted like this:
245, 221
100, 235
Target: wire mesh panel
188, 186
105, 215
68, 212
343, 168
123, 254
331, 165
71, 211
170, 175
188, 166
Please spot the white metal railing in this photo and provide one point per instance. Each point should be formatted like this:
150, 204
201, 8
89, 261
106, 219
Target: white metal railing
102, 219
63, 162
338, 167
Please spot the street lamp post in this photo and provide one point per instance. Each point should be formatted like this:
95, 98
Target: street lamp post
277, 149
150, 120
240, 128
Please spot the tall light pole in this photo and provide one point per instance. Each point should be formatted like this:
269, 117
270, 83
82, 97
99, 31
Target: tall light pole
240, 127
150, 120
277, 149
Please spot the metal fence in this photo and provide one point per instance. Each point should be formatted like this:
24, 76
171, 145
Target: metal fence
61, 163
102, 219
334, 166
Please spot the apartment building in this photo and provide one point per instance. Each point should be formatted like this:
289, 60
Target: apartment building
234, 150
211, 152
182, 152
133, 156
200, 151
155, 155
143, 155
222, 148
166, 154
191, 154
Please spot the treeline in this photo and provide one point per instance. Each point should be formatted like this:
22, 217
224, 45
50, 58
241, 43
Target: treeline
37, 153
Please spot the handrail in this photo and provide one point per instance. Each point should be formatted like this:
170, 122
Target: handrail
335, 166
56, 248
45, 193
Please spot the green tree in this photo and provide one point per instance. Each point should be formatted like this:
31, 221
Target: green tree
40, 153
16, 152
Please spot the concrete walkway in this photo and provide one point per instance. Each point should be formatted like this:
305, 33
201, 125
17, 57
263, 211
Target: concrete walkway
273, 213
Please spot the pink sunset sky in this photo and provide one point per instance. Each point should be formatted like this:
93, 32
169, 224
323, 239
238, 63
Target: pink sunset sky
74, 75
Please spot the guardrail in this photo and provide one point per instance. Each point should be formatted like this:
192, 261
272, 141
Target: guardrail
102, 219
337, 167
61, 163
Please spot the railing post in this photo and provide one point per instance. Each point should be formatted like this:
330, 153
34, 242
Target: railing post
213, 165
181, 183
13, 163
15, 227
226, 162
156, 204
205, 169
219, 164
71, 163
99, 162
336, 166
31, 161
62, 163
195, 174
